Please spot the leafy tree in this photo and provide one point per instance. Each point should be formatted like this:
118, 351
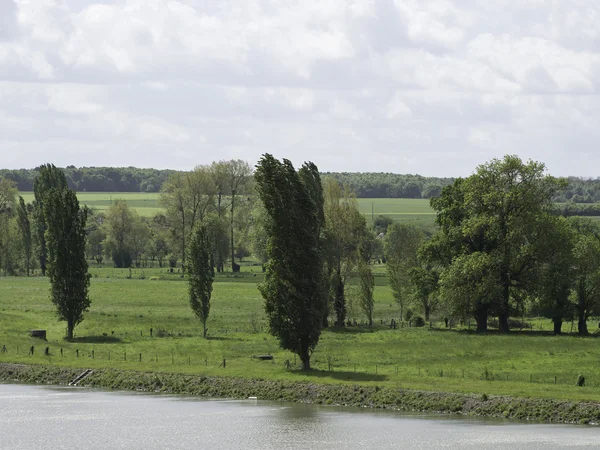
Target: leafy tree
425, 279
25, 232
67, 266
49, 177
140, 239
95, 242
258, 233
556, 272
201, 275
8, 208
401, 245
188, 197
381, 224
586, 273
294, 287
345, 231
366, 288
217, 228
159, 239
120, 220
239, 178
498, 211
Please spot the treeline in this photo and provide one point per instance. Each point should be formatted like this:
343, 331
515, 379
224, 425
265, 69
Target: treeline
96, 179
390, 185
364, 185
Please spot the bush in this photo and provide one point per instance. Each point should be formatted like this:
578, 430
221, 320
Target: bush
418, 321
408, 314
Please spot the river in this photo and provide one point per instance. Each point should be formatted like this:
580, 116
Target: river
34, 417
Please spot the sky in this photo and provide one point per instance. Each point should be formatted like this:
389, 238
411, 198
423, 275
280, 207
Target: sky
434, 87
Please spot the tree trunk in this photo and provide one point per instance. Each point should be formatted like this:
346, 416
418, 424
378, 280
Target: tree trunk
427, 312
582, 328
503, 315
70, 327
481, 316
233, 268
557, 326
205, 329
305, 358
340, 303
503, 322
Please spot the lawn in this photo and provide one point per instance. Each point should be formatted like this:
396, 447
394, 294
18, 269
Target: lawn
116, 333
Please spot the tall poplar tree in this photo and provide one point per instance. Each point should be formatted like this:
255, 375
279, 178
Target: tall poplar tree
65, 238
294, 287
25, 228
49, 177
201, 275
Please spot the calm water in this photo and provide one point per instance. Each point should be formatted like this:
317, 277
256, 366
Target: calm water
35, 417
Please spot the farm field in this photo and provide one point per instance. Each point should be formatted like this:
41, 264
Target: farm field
116, 333
147, 205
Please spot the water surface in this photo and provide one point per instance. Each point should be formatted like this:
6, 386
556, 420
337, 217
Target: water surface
35, 417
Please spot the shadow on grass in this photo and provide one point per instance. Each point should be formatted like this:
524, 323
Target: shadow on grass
341, 375
349, 330
221, 338
95, 340
519, 333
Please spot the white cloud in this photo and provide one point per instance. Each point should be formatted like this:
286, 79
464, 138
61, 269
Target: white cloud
432, 87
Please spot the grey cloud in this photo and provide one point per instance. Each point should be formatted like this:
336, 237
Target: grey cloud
389, 85
8, 20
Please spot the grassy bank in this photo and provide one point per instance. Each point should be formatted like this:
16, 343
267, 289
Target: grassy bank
116, 334
355, 395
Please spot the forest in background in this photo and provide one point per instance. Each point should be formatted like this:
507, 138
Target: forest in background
364, 185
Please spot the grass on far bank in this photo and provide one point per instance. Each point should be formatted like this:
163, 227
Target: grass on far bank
116, 331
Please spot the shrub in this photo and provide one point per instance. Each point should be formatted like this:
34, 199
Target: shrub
418, 321
408, 314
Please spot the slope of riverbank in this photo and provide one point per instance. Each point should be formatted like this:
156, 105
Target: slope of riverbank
306, 392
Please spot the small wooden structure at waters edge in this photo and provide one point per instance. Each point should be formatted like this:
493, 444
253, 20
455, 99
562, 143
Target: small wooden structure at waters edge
38, 334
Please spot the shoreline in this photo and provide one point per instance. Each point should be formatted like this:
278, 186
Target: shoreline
524, 409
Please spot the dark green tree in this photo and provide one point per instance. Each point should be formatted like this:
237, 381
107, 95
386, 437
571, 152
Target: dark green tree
556, 272
25, 230
294, 287
586, 273
498, 211
49, 177
200, 275
65, 238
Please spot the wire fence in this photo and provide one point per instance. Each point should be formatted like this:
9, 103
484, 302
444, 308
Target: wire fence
346, 370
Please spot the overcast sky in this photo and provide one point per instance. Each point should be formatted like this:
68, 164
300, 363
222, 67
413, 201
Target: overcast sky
433, 87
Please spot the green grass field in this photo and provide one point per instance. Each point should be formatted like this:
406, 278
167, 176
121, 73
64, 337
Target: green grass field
147, 205
116, 331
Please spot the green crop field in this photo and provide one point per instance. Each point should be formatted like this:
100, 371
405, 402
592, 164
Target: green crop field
147, 205
116, 333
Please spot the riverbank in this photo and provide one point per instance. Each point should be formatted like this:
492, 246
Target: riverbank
531, 409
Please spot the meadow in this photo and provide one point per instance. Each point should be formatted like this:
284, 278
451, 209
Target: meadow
416, 211
125, 307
